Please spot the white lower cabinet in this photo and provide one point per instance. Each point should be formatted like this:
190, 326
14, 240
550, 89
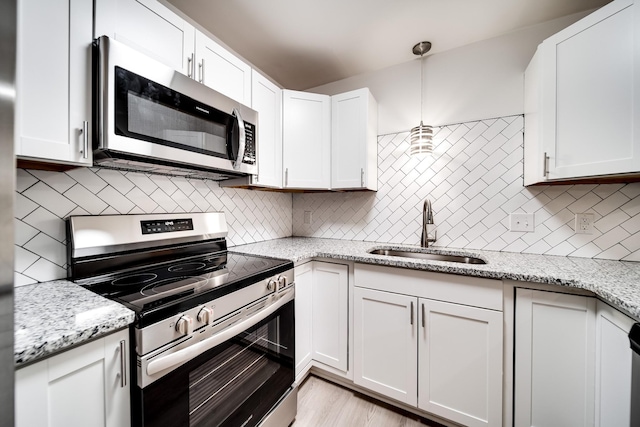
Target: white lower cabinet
613, 367
322, 317
554, 359
304, 346
444, 358
460, 363
385, 344
83, 386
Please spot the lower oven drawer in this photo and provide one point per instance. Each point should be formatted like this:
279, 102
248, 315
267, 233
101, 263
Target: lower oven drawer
236, 383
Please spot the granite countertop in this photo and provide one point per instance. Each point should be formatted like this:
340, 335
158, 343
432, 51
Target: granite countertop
616, 282
54, 316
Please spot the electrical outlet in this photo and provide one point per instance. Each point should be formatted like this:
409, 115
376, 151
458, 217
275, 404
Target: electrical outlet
584, 223
521, 222
308, 217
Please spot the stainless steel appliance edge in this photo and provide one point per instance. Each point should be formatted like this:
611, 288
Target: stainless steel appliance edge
7, 190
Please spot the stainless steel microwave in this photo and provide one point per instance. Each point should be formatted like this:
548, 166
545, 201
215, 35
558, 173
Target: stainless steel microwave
152, 118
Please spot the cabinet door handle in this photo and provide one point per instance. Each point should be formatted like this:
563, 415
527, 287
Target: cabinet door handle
362, 177
190, 66
123, 363
286, 177
545, 165
411, 313
423, 317
201, 71
85, 139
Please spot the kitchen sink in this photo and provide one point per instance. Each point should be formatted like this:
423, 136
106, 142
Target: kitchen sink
428, 256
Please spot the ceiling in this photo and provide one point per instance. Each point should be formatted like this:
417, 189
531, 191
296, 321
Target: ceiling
302, 44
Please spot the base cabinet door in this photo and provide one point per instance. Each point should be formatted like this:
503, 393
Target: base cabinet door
460, 363
385, 328
303, 313
613, 367
554, 359
330, 314
85, 386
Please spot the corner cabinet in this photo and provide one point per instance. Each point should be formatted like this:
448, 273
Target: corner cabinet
322, 317
53, 82
266, 99
613, 367
84, 386
354, 144
306, 140
426, 329
582, 106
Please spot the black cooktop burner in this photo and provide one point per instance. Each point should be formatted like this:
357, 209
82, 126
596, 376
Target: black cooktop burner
166, 289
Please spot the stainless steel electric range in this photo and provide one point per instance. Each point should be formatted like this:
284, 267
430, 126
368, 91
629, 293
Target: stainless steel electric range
214, 330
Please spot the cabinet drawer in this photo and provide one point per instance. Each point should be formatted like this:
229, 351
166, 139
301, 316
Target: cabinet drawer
473, 291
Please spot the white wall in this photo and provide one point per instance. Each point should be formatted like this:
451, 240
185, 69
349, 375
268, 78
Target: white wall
478, 81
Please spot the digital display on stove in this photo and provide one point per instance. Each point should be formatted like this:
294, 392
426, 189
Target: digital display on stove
166, 226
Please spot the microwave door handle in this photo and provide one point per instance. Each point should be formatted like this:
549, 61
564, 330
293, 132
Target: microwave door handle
242, 140
188, 353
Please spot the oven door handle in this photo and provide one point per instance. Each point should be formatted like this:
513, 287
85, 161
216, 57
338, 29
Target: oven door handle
186, 354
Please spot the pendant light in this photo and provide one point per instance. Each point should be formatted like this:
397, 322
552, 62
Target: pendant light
421, 136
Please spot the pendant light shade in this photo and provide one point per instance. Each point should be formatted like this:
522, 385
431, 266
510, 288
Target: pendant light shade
421, 140
421, 136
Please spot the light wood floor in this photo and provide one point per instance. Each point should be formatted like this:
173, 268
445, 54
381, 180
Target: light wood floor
321, 403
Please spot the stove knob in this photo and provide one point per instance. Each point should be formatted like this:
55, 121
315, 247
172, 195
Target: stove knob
205, 315
282, 282
271, 285
184, 325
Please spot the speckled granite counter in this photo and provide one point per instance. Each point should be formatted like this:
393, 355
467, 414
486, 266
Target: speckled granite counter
53, 316
616, 282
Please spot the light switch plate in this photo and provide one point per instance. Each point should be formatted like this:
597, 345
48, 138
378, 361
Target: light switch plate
521, 222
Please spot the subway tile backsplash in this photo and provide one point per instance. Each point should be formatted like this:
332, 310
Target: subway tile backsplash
44, 199
474, 180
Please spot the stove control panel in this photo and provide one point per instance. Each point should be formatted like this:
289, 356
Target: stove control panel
199, 319
162, 226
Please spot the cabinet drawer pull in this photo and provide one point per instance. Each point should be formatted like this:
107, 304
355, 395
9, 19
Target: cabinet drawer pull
123, 364
201, 71
411, 313
545, 165
423, 317
190, 66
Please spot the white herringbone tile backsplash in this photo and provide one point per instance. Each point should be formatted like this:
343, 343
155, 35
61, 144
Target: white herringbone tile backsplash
474, 181
44, 199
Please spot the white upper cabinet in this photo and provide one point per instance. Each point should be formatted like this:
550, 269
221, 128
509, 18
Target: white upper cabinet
354, 145
53, 81
266, 99
221, 70
306, 136
583, 90
150, 28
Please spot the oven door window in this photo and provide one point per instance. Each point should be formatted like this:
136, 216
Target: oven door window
151, 112
233, 384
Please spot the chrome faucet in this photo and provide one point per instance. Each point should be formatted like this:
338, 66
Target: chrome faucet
427, 219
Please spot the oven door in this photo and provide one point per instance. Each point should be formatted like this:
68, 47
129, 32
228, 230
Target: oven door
236, 383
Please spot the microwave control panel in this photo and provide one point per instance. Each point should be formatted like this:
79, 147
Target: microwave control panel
250, 144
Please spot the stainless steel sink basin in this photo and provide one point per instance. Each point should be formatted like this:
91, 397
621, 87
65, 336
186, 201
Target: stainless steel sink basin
433, 257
